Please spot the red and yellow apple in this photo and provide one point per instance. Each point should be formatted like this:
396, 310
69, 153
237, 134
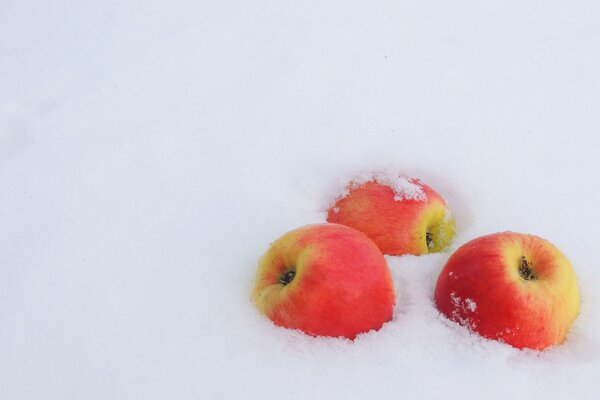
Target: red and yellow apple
515, 288
400, 214
325, 280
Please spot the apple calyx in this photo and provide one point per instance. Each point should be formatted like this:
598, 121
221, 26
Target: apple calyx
287, 277
526, 270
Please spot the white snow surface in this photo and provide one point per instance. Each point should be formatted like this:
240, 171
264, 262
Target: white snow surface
150, 152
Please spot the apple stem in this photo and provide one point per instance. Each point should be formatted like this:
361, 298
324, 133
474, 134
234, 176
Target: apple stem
287, 277
525, 270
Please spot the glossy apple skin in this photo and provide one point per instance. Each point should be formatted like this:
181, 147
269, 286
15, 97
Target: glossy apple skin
342, 284
397, 226
480, 287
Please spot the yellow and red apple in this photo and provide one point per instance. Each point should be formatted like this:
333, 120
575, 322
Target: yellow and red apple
515, 288
325, 280
400, 214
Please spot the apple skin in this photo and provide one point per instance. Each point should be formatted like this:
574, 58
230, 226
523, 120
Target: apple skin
342, 285
489, 287
397, 225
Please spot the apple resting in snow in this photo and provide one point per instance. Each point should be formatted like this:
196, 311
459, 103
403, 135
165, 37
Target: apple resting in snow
400, 214
515, 288
326, 280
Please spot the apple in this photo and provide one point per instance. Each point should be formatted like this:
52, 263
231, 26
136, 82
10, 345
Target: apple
400, 214
325, 280
515, 288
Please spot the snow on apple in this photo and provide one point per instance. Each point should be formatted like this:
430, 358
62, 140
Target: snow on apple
404, 187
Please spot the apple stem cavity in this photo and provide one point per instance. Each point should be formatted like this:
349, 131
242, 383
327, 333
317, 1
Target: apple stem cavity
526, 270
287, 277
429, 239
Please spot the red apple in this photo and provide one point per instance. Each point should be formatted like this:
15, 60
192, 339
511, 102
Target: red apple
510, 287
401, 215
326, 280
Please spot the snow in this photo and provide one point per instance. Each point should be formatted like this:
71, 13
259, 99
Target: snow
150, 151
467, 304
463, 305
470, 304
404, 187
